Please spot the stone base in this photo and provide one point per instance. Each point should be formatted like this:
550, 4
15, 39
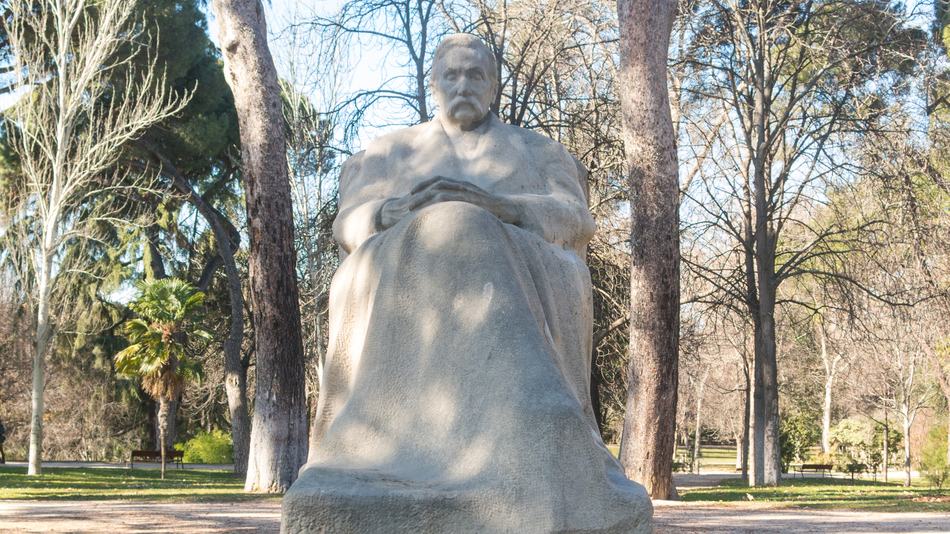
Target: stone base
326, 500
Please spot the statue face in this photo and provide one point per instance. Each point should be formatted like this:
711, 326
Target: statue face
463, 86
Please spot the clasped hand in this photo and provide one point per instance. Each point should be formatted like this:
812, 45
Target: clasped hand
442, 189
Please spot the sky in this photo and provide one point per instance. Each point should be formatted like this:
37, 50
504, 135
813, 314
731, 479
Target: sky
368, 67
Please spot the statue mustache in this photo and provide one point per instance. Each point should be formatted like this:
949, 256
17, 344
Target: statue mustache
461, 101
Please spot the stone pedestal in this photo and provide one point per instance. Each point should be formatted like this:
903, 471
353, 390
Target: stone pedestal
365, 502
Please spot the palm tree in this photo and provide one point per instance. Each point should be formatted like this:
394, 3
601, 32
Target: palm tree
168, 314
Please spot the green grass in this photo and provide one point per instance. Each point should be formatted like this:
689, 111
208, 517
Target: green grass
710, 455
828, 494
717, 456
186, 485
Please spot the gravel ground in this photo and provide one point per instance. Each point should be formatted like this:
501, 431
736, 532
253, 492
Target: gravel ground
264, 516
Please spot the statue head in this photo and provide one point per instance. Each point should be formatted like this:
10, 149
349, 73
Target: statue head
464, 79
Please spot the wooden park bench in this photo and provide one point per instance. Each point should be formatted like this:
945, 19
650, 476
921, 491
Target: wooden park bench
814, 468
172, 457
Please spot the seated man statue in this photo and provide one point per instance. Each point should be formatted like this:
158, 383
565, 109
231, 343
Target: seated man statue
455, 395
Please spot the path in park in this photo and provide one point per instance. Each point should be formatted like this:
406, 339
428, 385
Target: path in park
264, 516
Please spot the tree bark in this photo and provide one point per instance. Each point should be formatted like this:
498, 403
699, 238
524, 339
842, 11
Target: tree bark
278, 444
596, 378
170, 422
740, 454
831, 365
162, 429
906, 421
43, 329
767, 455
944, 379
826, 416
746, 416
646, 450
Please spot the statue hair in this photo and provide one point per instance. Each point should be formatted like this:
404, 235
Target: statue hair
472, 42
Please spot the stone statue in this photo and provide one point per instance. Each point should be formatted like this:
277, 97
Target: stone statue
456, 388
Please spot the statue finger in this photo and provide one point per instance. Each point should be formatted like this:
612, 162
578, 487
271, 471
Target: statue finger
421, 199
426, 184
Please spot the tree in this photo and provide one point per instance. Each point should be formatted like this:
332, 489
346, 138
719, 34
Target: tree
196, 152
409, 27
279, 425
67, 132
168, 317
649, 424
796, 81
898, 353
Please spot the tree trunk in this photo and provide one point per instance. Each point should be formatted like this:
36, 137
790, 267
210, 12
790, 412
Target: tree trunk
830, 365
757, 423
596, 378
826, 416
907, 479
887, 446
763, 285
43, 329
170, 422
166, 419
278, 443
746, 416
740, 454
698, 433
768, 454
162, 429
646, 450
944, 379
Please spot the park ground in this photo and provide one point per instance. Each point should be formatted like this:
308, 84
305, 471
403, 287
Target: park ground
103, 498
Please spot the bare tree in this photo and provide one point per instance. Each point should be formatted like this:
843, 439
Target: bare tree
409, 28
68, 133
793, 80
279, 426
898, 356
649, 422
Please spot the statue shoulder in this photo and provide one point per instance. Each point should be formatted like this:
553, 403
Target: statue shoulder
351, 168
538, 142
399, 141
553, 154
381, 154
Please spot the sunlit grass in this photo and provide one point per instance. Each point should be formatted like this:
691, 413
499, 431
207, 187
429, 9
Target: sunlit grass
827, 493
713, 456
120, 484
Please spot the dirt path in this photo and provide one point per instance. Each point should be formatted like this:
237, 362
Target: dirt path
751, 518
126, 517
264, 516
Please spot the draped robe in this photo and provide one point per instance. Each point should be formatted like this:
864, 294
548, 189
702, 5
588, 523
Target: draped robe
455, 395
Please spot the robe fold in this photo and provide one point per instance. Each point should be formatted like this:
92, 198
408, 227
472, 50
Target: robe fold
455, 395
